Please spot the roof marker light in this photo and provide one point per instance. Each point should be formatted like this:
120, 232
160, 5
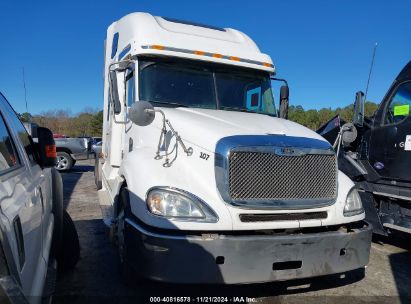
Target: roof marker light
202, 53
157, 47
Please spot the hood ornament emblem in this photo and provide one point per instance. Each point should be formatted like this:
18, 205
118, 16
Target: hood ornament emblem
288, 151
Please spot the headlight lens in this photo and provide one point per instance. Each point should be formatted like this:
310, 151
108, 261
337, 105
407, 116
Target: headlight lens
178, 204
353, 204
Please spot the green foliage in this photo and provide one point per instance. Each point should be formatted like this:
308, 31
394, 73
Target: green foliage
90, 122
87, 123
370, 108
25, 117
314, 119
97, 123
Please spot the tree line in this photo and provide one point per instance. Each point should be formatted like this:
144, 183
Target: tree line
89, 122
314, 119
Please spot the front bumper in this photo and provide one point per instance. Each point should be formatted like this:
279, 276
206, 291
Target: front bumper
219, 258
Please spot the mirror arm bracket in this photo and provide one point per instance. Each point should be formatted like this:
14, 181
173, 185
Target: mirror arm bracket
166, 122
280, 79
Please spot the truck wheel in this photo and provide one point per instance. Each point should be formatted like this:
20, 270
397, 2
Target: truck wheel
97, 174
127, 275
70, 254
64, 161
57, 210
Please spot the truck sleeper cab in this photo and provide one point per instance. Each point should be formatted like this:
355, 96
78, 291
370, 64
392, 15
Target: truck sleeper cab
201, 181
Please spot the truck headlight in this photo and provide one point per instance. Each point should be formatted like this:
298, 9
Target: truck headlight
353, 204
174, 203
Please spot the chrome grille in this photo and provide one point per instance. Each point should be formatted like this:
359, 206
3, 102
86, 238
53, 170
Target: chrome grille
268, 176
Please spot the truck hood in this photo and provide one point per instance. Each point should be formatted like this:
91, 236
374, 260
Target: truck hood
204, 127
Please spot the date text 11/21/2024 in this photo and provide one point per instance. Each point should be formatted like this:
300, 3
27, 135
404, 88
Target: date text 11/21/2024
202, 300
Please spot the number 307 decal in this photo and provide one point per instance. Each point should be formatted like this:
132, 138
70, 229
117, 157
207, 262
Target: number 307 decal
204, 155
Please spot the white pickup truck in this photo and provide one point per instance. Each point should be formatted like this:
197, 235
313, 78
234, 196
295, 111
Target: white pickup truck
201, 181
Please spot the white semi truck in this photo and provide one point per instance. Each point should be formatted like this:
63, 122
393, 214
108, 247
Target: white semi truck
199, 178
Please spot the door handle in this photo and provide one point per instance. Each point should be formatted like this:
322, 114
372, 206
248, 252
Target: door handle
40, 197
18, 231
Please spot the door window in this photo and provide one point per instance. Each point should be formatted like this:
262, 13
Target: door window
130, 89
21, 131
8, 155
114, 45
400, 105
24, 138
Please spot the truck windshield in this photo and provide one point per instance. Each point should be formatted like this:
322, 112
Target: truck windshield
196, 85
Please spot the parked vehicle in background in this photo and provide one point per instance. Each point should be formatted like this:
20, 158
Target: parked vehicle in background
201, 181
376, 154
96, 148
97, 139
69, 150
33, 225
57, 135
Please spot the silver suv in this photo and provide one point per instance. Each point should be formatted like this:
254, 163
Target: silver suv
33, 225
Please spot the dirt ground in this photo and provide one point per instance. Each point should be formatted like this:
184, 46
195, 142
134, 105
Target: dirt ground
387, 278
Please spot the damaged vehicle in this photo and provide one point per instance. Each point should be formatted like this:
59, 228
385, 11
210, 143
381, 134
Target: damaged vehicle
375, 152
201, 179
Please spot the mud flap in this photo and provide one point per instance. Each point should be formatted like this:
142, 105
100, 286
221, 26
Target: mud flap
371, 213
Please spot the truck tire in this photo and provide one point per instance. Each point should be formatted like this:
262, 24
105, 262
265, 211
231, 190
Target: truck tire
128, 276
70, 254
57, 210
64, 161
97, 174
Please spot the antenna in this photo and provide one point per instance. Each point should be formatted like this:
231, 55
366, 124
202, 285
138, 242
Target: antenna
371, 67
25, 91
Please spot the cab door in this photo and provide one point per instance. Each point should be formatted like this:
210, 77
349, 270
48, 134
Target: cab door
21, 203
390, 142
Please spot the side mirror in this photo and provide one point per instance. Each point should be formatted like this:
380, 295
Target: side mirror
114, 92
31, 128
142, 113
358, 117
46, 148
284, 95
349, 134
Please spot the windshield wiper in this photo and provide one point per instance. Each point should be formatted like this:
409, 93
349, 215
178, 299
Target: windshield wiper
171, 104
239, 109
244, 110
